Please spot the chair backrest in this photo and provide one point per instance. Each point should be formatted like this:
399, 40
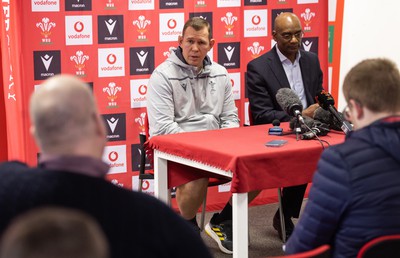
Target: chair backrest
143, 136
384, 246
323, 251
251, 120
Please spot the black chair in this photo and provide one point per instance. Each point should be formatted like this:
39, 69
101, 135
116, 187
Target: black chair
142, 165
381, 247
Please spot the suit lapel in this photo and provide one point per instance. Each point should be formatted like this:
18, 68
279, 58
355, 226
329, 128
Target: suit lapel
277, 68
305, 73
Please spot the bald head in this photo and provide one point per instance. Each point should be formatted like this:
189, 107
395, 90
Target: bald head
63, 114
288, 34
285, 20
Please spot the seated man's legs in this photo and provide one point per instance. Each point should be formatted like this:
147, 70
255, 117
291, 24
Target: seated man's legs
190, 196
220, 225
292, 199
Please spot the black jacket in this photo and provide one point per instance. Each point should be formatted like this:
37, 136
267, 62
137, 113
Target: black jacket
265, 76
136, 224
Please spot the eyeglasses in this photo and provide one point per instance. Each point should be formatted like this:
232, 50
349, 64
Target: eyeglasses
289, 36
346, 113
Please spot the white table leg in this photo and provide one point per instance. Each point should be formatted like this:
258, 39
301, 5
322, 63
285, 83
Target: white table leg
240, 225
161, 178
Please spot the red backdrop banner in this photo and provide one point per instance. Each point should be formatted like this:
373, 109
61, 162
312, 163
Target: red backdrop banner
114, 45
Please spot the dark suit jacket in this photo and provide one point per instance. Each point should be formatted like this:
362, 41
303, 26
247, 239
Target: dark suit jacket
265, 76
136, 224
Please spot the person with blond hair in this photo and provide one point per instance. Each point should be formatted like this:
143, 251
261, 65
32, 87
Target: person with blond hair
355, 195
50, 232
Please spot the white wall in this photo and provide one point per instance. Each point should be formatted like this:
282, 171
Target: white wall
371, 28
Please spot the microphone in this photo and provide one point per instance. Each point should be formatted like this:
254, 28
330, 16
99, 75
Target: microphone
326, 101
308, 123
319, 129
290, 103
326, 117
275, 130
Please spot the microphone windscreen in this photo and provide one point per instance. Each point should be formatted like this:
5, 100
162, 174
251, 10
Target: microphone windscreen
324, 99
286, 98
276, 122
307, 120
323, 116
326, 117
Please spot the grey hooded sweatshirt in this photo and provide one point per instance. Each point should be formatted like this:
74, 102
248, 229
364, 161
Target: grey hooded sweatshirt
181, 100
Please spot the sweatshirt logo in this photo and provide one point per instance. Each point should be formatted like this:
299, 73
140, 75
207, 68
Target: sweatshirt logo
183, 85
212, 85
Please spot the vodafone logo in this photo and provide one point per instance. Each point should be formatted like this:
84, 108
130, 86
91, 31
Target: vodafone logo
111, 59
255, 23
235, 81
113, 156
171, 24
138, 92
145, 185
79, 27
142, 89
78, 30
256, 20
44, 5
111, 62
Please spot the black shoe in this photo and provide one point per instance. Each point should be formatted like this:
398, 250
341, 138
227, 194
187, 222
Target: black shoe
289, 226
221, 233
196, 229
194, 225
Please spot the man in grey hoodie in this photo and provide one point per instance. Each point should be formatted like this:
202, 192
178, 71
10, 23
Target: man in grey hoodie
189, 92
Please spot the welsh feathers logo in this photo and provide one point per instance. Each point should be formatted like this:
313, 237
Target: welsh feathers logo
168, 53
141, 121
255, 49
110, 5
79, 59
112, 89
45, 26
141, 24
307, 17
200, 3
229, 19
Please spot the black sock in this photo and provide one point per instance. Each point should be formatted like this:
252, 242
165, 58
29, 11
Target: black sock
225, 214
193, 221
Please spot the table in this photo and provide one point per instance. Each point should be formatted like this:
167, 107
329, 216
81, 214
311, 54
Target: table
239, 154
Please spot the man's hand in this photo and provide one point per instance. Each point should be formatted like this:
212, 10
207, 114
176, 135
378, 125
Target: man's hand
310, 110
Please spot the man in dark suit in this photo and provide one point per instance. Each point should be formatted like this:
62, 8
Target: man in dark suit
71, 136
284, 66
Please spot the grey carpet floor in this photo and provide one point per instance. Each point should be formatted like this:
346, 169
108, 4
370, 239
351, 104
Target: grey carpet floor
264, 239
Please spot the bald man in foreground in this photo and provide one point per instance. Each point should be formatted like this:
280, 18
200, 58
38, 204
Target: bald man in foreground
71, 137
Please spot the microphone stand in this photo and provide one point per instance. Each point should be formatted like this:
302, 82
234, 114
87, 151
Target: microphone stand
297, 128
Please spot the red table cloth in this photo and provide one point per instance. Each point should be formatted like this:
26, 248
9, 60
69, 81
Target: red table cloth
243, 152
